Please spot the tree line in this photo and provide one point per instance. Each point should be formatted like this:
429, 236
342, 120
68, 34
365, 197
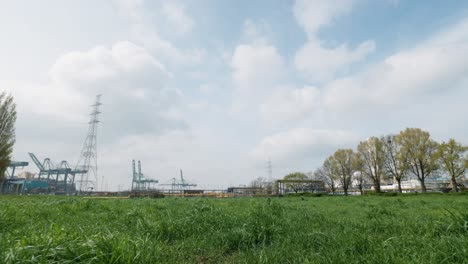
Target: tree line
411, 152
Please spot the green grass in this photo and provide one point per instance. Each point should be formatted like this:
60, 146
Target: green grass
366, 229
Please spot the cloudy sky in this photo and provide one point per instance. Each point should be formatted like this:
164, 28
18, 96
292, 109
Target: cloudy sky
217, 87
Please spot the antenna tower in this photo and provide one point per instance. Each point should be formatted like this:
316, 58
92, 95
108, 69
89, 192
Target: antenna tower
270, 170
88, 157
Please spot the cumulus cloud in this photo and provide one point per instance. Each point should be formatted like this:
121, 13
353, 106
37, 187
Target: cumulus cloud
131, 9
437, 64
104, 69
177, 16
302, 143
165, 49
128, 77
256, 66
312, 15
290, 104
315, 60
318, 63
148, 28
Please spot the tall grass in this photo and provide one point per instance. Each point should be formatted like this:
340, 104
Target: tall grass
413, 229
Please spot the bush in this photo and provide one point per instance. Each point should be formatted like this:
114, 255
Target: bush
305, 194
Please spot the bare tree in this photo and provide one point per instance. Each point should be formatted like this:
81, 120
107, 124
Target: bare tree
421, 150
325, 174
259, 182
454, 161
7, 131
372, 155
360, 180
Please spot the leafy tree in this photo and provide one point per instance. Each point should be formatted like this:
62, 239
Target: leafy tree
296, 186
453, 159
396, 163
344, 163
420, 151
7, 131
372, 155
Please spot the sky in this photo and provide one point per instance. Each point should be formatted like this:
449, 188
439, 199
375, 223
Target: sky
217, 88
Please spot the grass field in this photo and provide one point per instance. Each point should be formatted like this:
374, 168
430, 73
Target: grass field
368, 229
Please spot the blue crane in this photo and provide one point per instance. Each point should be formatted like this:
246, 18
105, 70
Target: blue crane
62, 171
139, 182
177, 185
13, 165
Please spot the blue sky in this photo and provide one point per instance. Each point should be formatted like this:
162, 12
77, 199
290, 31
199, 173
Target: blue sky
218, 87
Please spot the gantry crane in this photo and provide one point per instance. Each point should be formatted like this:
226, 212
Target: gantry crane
62, 173
139, 182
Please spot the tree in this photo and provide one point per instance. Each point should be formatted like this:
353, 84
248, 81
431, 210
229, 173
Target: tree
262, 183
326, 175
259, 182
7, 131
395, 162
453, 159
421, 151
360, 180
344, 163
372, 155
296, 186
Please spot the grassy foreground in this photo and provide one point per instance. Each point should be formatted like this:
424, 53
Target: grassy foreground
413, 229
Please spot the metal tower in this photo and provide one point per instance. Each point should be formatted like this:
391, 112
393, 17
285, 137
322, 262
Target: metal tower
269, 168
88, 157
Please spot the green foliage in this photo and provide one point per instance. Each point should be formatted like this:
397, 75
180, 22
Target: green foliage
331, 229
342, 165
7, 131
420, 151
296, 176
372, 155
453, 159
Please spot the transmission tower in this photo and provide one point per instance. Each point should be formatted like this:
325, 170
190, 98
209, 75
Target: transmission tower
88, 156
269, 168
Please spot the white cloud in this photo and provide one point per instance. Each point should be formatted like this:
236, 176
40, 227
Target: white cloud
128, 77
165, 49
125, 61
303, 143
312, 15
314, 60
177, 15
434, 65
256, 69
131, 9
256, 31
206, 88
290, 105
321, 64
256, 66
147, 27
